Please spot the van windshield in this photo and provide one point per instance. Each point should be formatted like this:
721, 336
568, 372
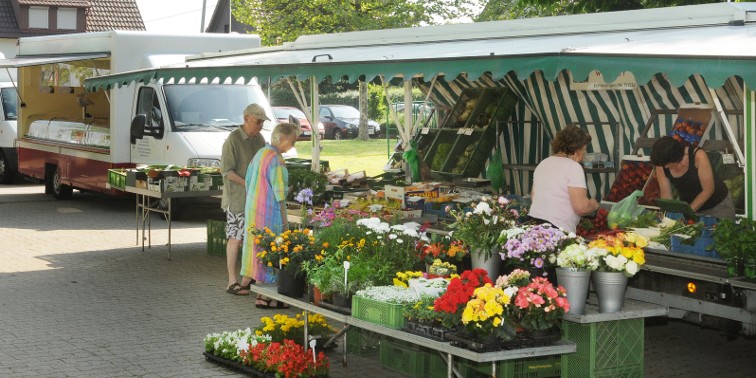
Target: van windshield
10, 100
212, 107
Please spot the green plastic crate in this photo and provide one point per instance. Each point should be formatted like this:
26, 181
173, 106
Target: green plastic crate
411, 360
382, 313
604, 349
534, 367
117, 178
216, 237
362, 343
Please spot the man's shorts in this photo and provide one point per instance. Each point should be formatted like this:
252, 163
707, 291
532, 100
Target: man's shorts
234, 225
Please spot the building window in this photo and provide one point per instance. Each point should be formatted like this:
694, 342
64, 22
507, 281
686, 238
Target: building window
66, 18
39, 18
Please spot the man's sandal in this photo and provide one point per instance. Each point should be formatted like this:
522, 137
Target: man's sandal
237, 289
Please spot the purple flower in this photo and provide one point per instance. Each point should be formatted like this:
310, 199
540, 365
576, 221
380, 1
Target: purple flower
538, 262
304, 196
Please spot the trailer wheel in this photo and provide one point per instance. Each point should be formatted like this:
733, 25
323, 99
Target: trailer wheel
56, 188
6, 174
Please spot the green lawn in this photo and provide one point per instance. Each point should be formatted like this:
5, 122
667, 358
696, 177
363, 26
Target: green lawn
354, 155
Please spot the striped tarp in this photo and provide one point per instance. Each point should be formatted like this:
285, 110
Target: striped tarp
545, 106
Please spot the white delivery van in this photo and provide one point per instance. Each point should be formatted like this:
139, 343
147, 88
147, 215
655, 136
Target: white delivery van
8, 116
69, 138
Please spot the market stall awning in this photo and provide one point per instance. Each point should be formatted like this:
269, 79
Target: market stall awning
715, 40
36, 60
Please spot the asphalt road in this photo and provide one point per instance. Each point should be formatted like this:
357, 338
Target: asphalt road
78, 298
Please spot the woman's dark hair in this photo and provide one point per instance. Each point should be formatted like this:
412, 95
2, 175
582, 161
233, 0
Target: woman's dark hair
569, 140
666, 150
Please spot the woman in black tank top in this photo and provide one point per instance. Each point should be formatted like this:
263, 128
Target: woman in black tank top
688, 169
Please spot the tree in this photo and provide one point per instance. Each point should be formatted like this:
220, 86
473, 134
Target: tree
280, 21
510, 9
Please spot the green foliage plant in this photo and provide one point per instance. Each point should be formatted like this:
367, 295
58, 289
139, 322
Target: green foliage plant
735, 239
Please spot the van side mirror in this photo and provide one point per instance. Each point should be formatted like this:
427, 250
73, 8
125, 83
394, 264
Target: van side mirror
294, 120
137, 127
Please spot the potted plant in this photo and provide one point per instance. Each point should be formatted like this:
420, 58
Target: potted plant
734, 241
285, 359
620, 256
281, 327
448, 251
485, 314
287, 251
479, 227
534, 247
539, 307
574, 266
451, 304
228, 345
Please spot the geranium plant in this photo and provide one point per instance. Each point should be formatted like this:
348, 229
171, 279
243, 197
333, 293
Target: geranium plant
287, 359
533, 245
228, 345
539, 306
286, 250
458, 293
281, 327
480, 225
444, 250
620, 252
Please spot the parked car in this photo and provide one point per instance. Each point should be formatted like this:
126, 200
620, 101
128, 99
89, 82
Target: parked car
284, 112
342, 121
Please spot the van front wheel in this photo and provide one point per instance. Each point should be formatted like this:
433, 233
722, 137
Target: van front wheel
6, 174
54, 186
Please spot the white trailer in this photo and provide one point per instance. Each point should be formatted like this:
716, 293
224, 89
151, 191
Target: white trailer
69, 138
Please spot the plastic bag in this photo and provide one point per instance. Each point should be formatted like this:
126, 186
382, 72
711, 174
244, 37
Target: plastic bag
495, 172
413, 161
625, 211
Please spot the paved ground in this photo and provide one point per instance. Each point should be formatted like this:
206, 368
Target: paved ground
79, 299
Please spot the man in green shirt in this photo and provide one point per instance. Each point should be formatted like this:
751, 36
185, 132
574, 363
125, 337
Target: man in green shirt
238, 150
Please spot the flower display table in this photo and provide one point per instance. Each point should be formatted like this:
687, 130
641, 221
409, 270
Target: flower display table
608, 344
444, 349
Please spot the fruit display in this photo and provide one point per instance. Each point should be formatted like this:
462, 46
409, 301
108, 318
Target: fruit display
632, 176
590, 227
459, 167
442, 151
688, 131
469, 106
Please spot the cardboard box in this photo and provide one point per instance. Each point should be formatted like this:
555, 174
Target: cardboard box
402, 194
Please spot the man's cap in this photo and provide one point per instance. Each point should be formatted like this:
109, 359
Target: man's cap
256, 111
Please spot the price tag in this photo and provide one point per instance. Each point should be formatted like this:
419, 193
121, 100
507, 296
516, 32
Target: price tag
728, 159
425, 130
469, 131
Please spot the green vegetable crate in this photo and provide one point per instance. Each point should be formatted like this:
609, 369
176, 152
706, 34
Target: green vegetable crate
411, 360
535, 367
382, 313
604, 349
216, 237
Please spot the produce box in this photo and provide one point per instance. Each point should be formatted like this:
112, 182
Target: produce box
535, 367
691, 124
411, 360
633, 175
216, 237
117, 178
136, 178
362, 342
604, 349
383, 313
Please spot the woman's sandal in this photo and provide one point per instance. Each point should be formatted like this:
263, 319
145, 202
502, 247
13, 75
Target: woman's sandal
237, 289
269, 303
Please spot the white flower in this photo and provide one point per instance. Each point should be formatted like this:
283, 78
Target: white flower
279, 240
392, 236
242, 345
511, 291
631, 268
482, 208
375, 208
503, 201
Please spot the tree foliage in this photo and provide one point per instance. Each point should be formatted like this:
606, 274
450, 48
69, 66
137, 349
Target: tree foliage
511, 9
284, 20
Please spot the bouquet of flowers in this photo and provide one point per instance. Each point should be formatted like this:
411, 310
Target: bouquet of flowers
287, 250
287, 359
579, 257
484, 314
458, 293
281, 327
534, 245
445, 250
620, 252
441, 269
479, 226
540, 306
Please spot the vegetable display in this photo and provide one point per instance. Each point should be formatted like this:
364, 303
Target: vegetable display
633, 176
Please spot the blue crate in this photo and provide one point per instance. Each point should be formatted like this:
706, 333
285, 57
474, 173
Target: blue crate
699, 248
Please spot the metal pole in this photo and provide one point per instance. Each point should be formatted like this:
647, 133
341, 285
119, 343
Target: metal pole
230, 17
202, 24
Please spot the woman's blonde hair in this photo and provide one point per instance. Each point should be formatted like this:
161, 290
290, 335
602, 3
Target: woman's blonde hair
287, 130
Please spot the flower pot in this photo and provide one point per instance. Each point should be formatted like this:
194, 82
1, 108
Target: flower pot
342, 300
490, 264
316, 296
576, 283
610, 290
291, 282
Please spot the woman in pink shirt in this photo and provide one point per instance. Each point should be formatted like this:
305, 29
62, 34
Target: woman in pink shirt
559, 194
